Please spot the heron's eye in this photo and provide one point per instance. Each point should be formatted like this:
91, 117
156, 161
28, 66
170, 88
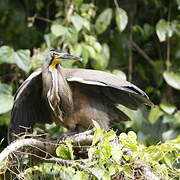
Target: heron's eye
55, 55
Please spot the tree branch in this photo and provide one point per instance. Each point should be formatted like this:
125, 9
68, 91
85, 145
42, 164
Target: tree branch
142, 53
48, 147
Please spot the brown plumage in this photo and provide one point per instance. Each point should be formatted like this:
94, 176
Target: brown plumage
72, 97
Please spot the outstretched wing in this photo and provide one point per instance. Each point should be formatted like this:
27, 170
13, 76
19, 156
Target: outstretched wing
116, 89
29, 107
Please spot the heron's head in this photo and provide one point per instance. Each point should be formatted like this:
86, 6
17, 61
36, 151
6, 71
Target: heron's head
55, 57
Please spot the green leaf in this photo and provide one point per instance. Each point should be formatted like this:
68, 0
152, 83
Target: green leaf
98, 135
77, 22
5, 119
58, 30
110, 135
6, 98
101, 59
105, 51
80, 175
117, 153
103, 20
87, 24
164, 29
168, 158
121, 19
97, 47
168, 108
85, 55
91, 51
161, 29
6, 54
177, 115
76, 50
6, 103
68, 142
132, 136
63, 152
105, 153
168, 118
172, 78
154, 114
178, 3
97, 172
119, 73
22, 59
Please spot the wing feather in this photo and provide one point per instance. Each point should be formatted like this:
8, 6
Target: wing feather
117, 89
29, 107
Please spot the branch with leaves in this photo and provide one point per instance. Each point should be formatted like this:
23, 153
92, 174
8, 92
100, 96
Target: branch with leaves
101, 155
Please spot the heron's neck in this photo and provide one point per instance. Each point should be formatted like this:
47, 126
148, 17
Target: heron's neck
59, 93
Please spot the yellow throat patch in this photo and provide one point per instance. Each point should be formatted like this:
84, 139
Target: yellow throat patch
54, 63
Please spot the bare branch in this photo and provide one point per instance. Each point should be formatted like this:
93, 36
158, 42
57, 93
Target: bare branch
142, 53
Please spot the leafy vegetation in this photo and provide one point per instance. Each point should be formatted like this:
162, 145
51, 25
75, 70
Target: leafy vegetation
111, 157
138, 41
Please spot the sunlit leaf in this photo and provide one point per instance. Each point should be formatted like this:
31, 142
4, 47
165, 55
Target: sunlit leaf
101, 59
6, 99
103, 20
105, 153
97, 136
172, 78
68, 142
85, 55
76, 50
87, 24
22, 59
106, 51
168, 108
91, 51
79, 2
119, 73
97, 47
97, 172
177, 115
121, 19
77, 22
71, 35
7, 103
58, 30
163, 30
154, 114
117, 153
6, 54
62, 151
168, 118
178, 3
80, 175
132, 135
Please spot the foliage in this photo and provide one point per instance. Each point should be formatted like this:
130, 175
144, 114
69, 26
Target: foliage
138, 41
109, 159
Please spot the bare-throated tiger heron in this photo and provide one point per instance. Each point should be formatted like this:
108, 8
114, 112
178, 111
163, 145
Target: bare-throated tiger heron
72, 97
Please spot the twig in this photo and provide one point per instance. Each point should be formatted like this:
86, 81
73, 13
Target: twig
43, 19
130, 66
66, 163
116, 3
168, 63
142, 53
